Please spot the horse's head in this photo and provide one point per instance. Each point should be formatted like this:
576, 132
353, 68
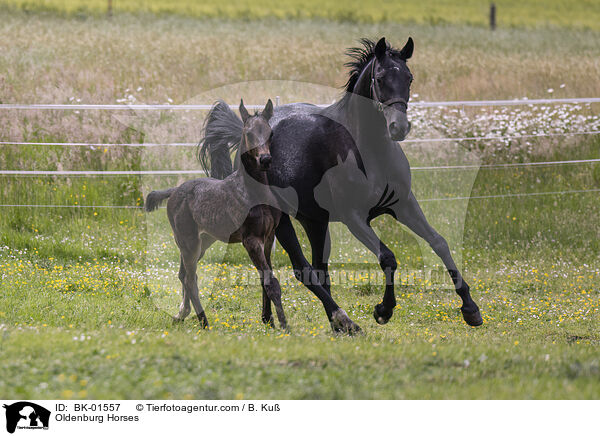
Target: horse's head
256, 138
390, 81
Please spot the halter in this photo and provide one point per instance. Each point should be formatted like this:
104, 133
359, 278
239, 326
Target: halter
374, 93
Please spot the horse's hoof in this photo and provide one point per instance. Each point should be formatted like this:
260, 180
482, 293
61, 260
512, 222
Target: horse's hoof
177, 321
472, 318
381, 315
340, 322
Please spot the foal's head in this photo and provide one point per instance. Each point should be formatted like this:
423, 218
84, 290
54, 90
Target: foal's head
256, 138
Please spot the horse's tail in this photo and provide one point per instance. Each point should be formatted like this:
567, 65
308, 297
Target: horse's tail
155, 198
222, 134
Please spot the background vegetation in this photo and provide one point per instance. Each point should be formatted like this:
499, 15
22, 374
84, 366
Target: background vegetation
86, 294
531, 13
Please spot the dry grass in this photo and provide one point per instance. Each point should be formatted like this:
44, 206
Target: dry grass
48, 59
96, 60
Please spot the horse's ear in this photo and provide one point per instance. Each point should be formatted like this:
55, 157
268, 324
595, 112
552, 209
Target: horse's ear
243, 112
267, 112
407, 50
380, 49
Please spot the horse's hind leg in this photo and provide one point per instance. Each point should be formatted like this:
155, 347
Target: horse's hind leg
255, 248
410, 214
304, 272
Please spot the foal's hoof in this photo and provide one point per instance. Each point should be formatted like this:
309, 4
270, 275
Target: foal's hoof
268, 321
472, 318
177, 321
203, 320
340, 322
381, 315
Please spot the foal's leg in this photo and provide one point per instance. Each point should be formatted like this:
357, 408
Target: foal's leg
184, 308
361, 229
270, 284
410, 214
205, 242
192, 248
320, 243
303, 271
267, 315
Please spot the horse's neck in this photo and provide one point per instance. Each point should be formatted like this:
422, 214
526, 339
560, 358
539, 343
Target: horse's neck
368, 128
383, 160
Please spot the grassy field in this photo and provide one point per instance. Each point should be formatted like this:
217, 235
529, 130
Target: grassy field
530, 13
86, 294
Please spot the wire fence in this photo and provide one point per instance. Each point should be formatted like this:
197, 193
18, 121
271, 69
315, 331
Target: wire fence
171, 107
202, 172
406, 141
35, 173
424, 200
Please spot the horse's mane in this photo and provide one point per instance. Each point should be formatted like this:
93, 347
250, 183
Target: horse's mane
360, 57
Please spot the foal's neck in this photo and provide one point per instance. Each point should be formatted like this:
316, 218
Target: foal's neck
255, 174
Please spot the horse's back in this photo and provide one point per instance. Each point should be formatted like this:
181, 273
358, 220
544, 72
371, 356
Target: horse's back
292, 110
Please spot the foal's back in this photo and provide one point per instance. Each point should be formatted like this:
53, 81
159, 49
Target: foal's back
211, 206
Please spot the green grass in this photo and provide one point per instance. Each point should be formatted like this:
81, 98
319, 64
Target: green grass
111, 280
531, 13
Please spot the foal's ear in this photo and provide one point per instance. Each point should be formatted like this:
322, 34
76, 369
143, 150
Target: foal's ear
407, 50
267, 112
380, 49
243, 112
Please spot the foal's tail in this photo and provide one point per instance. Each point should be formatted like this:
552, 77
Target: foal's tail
155, 198
222, 134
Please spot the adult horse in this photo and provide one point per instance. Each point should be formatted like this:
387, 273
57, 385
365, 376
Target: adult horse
345, 165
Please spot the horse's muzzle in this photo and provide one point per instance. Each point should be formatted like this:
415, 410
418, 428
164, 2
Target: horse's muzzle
399, 130
265, 162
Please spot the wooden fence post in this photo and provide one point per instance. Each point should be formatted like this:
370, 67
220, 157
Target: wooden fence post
109, 9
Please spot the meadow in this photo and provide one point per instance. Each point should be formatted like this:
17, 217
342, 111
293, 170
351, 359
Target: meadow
581, 14
86, 294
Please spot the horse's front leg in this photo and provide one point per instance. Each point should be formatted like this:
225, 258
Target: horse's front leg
410, 214
361, 229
